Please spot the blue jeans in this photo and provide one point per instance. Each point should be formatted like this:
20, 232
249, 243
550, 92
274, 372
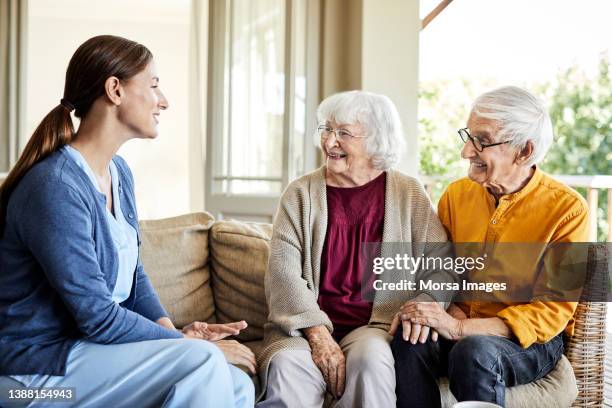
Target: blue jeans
479, 368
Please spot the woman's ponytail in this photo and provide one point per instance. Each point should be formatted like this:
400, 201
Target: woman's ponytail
92, 64
53, 132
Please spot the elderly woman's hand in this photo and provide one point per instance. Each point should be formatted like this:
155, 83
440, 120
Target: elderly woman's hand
431, 314
213, 332
328, 357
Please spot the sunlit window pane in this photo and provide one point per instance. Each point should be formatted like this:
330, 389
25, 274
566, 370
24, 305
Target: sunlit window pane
253, 139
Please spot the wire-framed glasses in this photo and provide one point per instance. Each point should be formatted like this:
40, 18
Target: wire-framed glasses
479, 145
326, 131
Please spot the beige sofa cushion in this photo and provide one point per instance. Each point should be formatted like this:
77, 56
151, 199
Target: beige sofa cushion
239, 259
557, 389
174, 254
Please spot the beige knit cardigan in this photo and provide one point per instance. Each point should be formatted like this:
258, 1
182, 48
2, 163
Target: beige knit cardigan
292, 279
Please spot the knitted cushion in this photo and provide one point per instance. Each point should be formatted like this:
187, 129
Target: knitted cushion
239, 259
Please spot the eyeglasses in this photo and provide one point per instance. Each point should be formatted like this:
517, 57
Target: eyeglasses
478, 144
341, 134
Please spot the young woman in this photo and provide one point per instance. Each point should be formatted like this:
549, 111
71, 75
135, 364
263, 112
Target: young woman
76, 307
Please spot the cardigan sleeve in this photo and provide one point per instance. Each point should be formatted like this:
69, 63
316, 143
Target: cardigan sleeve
57, 228
146, 302
429, 239
292, 302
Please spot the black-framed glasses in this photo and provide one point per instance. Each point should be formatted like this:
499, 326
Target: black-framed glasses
464, 134
341, 134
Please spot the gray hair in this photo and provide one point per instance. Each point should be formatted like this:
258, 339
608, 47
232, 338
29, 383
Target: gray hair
522, 117
378, 117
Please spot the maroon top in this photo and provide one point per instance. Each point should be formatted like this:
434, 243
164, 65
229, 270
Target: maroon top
355, 216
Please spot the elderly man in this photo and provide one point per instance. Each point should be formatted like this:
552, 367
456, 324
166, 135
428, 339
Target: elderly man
486, 347
322, 336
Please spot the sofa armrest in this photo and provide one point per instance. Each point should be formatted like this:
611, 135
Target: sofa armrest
586, 349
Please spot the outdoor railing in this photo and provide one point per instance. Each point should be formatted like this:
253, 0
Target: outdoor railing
592, 184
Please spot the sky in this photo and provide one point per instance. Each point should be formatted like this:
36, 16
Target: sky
514, 40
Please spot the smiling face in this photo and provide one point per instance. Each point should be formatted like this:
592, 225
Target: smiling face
142, 103
499, 168
346, 158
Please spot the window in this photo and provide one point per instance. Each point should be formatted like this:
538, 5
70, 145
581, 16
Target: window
261, 103
255, 105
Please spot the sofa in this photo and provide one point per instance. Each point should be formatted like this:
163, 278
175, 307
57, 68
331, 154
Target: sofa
213, 271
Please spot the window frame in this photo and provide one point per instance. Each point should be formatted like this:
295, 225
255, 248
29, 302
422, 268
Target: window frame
260, 206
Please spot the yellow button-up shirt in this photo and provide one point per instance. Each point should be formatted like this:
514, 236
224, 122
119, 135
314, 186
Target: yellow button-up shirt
545, 210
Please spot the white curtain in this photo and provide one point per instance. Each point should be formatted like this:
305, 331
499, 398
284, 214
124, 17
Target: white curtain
13, 18
198, 73
256, 43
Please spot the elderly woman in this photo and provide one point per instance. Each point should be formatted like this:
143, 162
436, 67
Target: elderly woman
321, 334
486, 347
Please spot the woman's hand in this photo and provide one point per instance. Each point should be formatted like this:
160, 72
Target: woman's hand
236, 353
213, 332
328, 357
431, 314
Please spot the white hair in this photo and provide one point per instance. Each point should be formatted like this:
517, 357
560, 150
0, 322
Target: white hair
522, 117
377, 115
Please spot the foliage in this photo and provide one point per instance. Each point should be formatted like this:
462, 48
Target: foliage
580, 107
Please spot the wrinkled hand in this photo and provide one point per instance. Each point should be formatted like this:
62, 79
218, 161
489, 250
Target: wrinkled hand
412, 332
236, 353
431, 314
213, 332
328, 356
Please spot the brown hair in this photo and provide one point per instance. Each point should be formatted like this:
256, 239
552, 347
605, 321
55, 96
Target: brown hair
92, 64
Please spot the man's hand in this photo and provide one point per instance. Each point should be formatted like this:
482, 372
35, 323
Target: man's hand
412, 332
431, 314
328, 357
236, 353
213, 332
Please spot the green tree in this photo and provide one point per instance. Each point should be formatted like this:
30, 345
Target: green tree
580, 107
581, 111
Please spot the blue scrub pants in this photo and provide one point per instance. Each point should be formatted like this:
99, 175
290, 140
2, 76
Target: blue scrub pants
158, 373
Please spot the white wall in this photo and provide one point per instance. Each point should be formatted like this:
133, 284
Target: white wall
374, 45
390, 63
56, 28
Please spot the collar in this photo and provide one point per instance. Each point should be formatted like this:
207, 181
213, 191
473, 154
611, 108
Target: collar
516, 196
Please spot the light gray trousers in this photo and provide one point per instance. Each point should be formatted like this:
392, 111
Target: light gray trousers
295, 380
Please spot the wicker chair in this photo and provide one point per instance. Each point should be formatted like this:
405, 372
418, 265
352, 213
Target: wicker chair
586, 350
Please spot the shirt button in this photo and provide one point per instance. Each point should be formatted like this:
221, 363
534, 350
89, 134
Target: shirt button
492, 222
130, 215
